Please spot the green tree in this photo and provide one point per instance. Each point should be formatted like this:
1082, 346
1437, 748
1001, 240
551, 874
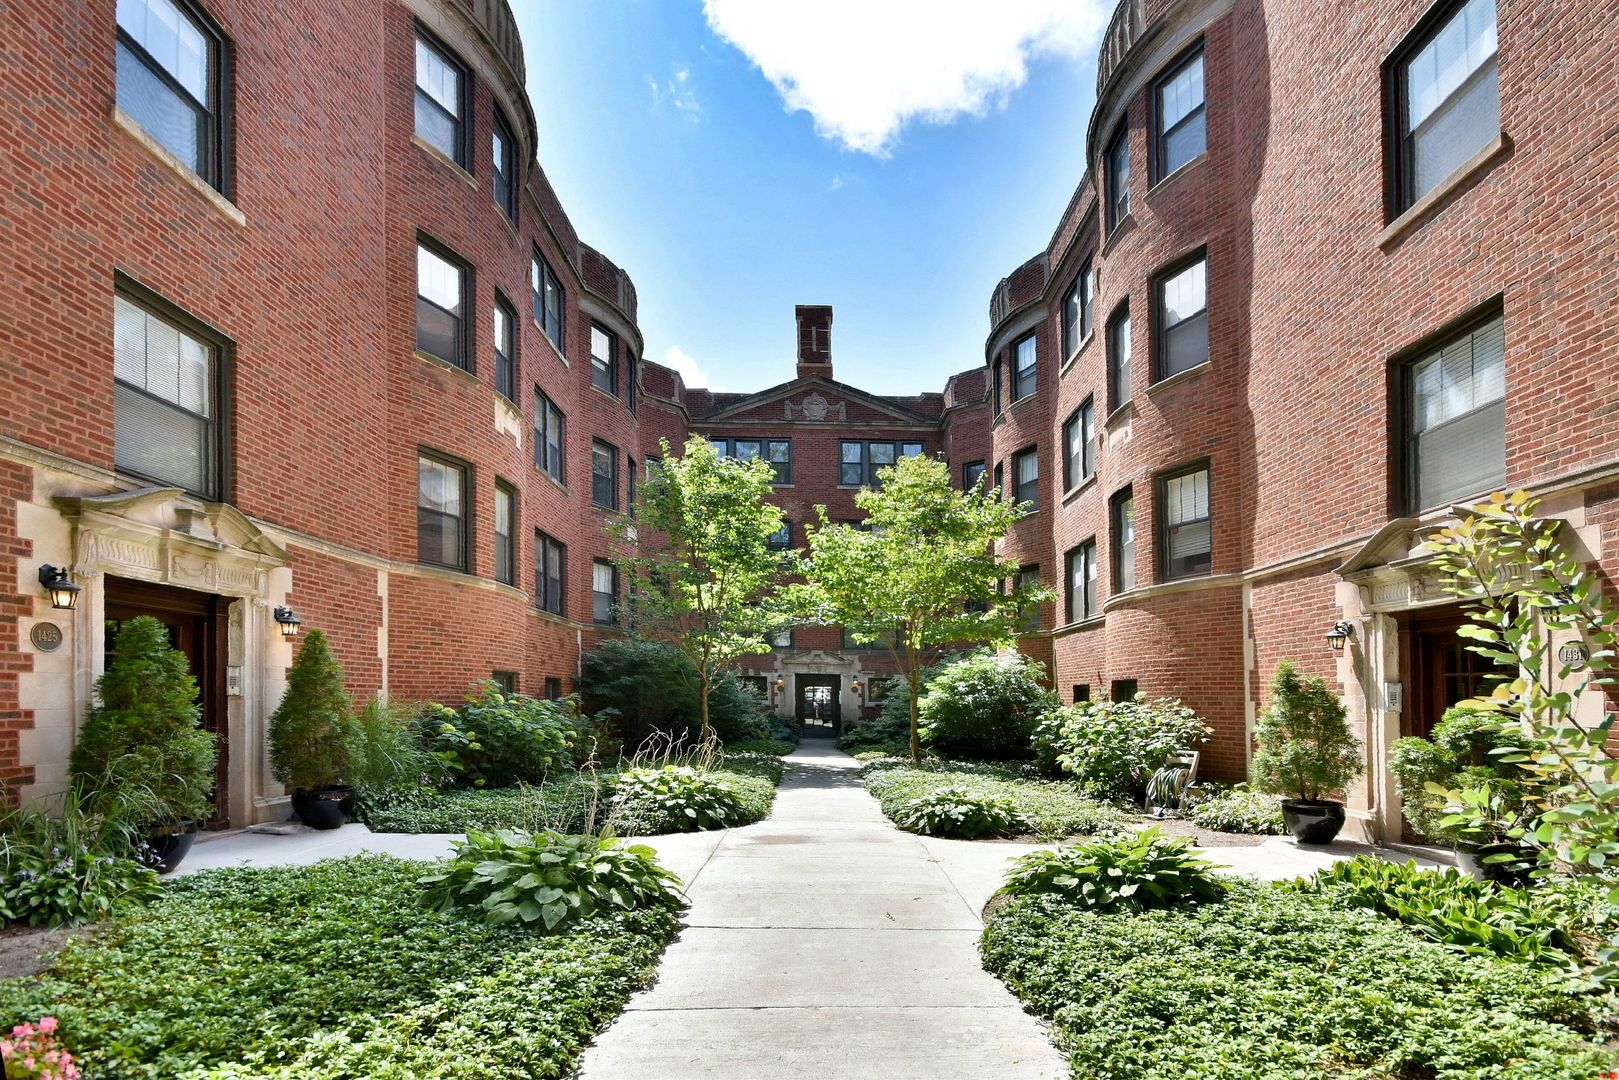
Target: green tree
146, 730
702, 574
312, 730
920, 572
1306, 750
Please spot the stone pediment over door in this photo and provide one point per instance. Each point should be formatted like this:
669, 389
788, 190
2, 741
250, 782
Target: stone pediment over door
165, 536
817, 662
1394, 569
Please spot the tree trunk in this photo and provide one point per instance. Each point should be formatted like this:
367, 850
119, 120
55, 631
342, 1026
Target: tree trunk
915, 678
702, 706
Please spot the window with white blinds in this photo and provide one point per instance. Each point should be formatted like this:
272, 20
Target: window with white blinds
165, 426
1450, 97
604, 592
1457, 443
1187, 546
1183, 319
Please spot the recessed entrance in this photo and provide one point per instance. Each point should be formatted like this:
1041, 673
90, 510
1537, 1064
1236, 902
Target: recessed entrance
819, 711
197, 627
1440, 669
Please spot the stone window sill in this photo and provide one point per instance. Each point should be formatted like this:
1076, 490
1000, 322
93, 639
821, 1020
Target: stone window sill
1497, 148
1166, 181
132, 128
450, 163
1180, 377
1068, 363
1118, 416
440, 362
1073, 493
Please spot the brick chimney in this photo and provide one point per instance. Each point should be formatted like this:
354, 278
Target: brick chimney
814, 339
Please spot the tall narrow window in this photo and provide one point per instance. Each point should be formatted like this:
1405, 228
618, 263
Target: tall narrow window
505, 349
972, 474
1183, 318
1124, 542
629, 486
503, 148
441, 304
505, 533
1184, 540
170, 81
1455, 443
441, 517
1182, 131
1119, 371
1076, 310
547, 292
1079, 445
603, 474
165, 400
550, 437
629, 379
782, 538
1081, 596
780, 454
1023, 381
1118, 178
550, 572
603, 359
1445, 91
997, 402
604, 592
1026, 475
1028, 577
441, 100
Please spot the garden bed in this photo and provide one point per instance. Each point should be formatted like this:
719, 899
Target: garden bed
334, 969
1054, 809
1276, 983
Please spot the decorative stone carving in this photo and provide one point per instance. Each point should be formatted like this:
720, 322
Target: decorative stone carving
816, 409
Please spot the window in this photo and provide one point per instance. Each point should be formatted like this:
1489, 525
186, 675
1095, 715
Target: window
1455, 402
603, 359
1000, 484
166, 399
1118, 361
779, 452
171, 81
603, 592
1082, 692
506, 680
1079, 445
505, 533
441, 517
1124, 541
1081, 598
603, 474
1182, 132
1028, 577
629, 485
1445, 98
550, 437
441, 100
1026, 475
1077, 310
505, 349
782, 538
553, 687
972, 474
1183, 318
441, 304
547, 292
1185, 539
998, 366
1123, 690
550, 572
1023, 380
504, 150
859, 462
629, 380
1118, 178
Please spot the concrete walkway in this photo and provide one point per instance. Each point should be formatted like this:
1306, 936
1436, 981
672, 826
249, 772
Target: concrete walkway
824, 942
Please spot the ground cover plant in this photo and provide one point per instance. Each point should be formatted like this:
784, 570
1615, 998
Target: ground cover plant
674, 798
1136, 871
1051, 809
954, 811
1271, 982
1238, 810
334, 969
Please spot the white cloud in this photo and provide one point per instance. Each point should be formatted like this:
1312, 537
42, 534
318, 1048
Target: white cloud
864, 68
691, 374
681, 93
837, 182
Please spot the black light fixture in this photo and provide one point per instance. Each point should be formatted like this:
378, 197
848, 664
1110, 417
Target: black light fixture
855, 685
64, 594
288, 620
780, 682
1341, 632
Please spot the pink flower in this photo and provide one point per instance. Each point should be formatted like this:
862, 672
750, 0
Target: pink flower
47, 1024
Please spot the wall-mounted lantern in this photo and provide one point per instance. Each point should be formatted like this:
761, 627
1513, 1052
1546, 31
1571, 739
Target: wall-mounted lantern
288, 620
1341, 631
855, 686
64, 594
780, 683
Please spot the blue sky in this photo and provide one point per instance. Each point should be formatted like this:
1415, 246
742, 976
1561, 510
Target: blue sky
679, 158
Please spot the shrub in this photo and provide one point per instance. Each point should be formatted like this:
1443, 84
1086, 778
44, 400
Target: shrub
147, 728
312, 729
385, 754
1139, 871
770, 747
1239, 810
1278, 984
1113, 747
752, 763
1050, 810
650, 689
550, 879
497, 739
783, 726
984, 706
674, 798
75, 865
1457, 755
884, 732
31, 1052
954, 811
1305, 748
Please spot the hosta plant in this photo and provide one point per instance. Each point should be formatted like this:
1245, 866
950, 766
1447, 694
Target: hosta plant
674, 798
954, 811
1141, 871
550, 880
1238, 810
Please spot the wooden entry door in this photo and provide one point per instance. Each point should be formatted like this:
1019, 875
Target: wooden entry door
1440, 669
196, 625
819, 710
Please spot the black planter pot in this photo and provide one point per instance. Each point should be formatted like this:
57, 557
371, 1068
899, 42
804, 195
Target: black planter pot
1313, 821
1514, 873
164, 850
323, 808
